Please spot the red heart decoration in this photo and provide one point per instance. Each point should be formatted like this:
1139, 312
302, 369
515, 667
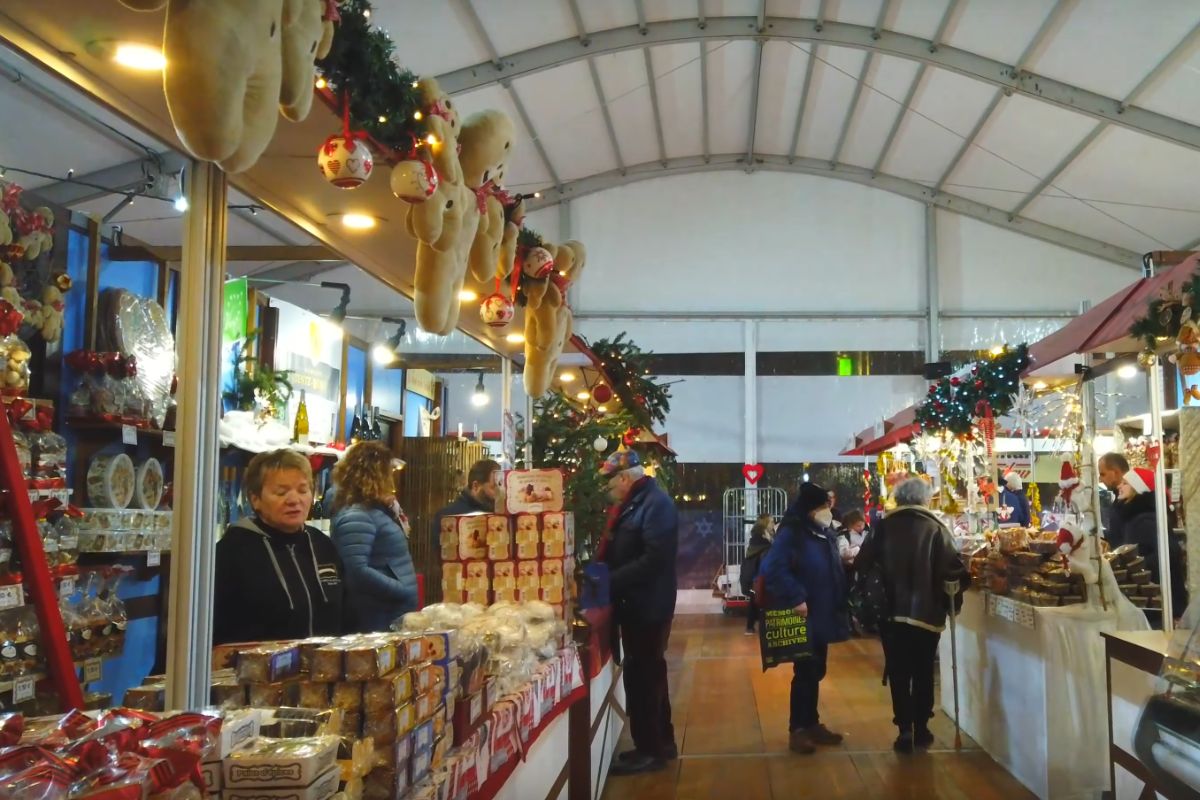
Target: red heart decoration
752, 473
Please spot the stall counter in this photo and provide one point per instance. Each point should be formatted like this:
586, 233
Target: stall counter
1032, 691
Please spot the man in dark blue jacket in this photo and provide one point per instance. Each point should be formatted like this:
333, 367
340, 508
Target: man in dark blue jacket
479, 496
639, 548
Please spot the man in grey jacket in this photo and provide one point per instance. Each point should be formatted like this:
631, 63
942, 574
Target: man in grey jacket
917, 557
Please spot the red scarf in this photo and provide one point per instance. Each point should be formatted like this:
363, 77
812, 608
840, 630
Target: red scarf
614, 513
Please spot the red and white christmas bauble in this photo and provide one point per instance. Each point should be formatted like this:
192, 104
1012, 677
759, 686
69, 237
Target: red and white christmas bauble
538, 262
346, 163
496, 310
414, 181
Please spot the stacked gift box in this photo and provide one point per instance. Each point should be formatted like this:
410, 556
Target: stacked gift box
525, 554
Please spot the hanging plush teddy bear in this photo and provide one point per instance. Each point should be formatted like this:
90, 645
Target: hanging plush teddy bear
233, 66
439, 224
1187, 355
8, 289
486, 140
53, 307
35, 228
548, 317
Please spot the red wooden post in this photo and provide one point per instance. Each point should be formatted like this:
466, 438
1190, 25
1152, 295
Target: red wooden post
38, 585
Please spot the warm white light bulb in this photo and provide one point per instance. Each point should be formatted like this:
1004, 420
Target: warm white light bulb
181, 204
468, 295
383, 354
479, 399
358, 222
515, 338
1127, 372
567, 377
140, 57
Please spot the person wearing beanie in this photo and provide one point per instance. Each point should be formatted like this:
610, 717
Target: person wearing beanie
639, 546
803, 570
1135, 508
1013, 496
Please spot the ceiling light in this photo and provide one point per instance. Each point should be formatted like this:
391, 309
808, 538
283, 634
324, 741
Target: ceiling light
515, 338
389, 353
468, 295
322, 83
358, 222
1040, 386
181, 204
137, 56
583, 395
602, 409
480, 398
338, 315
1127, 372
567, 377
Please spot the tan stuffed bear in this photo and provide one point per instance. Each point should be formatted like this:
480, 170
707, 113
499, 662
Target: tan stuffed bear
53, 309
440, 224
41, 240
549, 325
6, 233
307, 36
514, 216
487, 139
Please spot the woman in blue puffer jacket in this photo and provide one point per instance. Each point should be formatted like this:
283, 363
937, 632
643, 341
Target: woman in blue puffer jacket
369, 532
803, 570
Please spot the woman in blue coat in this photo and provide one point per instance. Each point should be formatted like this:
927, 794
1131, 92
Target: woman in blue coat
369, 532
803, 570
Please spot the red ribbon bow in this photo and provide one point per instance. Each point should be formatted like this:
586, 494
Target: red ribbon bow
10, 318
439, 108
331, 13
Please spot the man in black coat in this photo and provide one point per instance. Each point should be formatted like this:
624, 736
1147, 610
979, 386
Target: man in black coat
639, 548
479, 497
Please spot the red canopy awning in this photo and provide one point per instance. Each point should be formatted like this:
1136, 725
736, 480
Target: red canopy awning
1113, 336
897, 429
1073, 337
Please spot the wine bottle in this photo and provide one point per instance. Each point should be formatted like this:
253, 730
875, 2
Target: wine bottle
376, 430
300, 430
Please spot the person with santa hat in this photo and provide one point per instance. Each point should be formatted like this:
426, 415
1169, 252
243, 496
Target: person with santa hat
1013, 496
1135, 509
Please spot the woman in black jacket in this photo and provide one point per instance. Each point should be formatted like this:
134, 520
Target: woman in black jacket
277, 578
756, 548
1138, 523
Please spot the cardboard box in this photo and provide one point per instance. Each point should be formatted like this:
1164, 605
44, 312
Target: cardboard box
499, 538
246, 768
237, 729
504, 581
441, 748
391, 691
533, 491
323, 787
529, 579
420, 765
553, 580
558, 534
529, 529
467, 716
482, 597
410, 649
440, 645
505, 738
210, 773
454, 579
268, 664
472, 536
273, 695
422, 736
426, 704
347, 695
315, 695
448, 539
529, 550
478, 576
404, 748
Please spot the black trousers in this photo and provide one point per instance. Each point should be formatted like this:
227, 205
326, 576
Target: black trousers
751, 614
806, 688
910, 652
646, 696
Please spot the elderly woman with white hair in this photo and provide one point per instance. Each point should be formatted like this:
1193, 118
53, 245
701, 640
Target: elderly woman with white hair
916, 555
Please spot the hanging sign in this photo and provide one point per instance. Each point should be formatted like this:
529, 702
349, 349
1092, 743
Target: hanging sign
753, 473
128, 434
23, 689
93, 670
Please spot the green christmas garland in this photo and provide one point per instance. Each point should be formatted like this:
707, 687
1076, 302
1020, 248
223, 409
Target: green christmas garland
627, 368
361, 68
953, 404
1164, 315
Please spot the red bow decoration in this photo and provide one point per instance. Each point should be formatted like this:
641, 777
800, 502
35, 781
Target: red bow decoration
43, 418
439, 108
17, 409
331, 13
10, 319
10, 201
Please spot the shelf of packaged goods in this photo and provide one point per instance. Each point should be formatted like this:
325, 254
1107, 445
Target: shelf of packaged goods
6, 685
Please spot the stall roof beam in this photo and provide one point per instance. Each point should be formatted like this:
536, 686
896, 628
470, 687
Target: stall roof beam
584, 39
1169, 62
756, 84
822, 168
683, 316
932, 52
658, 127
296, 270
122, 178
604, 112
804, 88
506, 82
1049, 26
704, 99
908, 101
854, 98
253, 252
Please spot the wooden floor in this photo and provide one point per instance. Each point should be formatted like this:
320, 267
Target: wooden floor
731, 724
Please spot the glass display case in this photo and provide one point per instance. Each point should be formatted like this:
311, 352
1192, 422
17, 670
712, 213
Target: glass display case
1167, 740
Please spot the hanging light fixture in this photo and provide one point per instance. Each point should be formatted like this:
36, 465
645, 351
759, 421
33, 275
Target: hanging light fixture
389, 353
338, 315
480, 398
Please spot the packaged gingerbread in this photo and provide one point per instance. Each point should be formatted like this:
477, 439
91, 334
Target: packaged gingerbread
499, 538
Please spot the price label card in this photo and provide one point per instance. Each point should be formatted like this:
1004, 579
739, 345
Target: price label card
12, 596
128, 434
66, 587
153, 558
168, 438
93, 670
23, 689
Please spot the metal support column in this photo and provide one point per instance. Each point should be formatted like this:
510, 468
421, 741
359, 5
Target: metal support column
1154, 372
193, 527
507, 431
750, 401
933, 323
